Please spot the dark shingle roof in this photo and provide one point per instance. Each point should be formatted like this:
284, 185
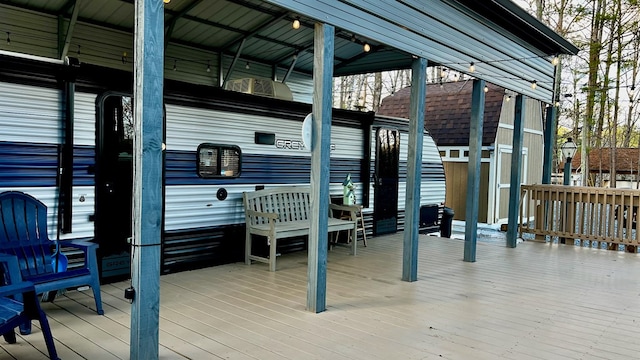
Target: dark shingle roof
626, 160
448, 111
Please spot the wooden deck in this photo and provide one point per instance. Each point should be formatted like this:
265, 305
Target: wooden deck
537, 301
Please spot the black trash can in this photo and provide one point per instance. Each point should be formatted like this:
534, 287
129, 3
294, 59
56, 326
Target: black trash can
445, 223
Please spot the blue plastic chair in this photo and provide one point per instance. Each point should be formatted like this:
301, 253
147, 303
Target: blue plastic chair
24, 234
19, 305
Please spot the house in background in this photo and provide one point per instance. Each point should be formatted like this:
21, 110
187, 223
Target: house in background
627, 165
447, 117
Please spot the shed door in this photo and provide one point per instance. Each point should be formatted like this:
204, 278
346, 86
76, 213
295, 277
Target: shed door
385, 214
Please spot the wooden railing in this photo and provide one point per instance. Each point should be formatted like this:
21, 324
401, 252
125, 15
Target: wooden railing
581, 213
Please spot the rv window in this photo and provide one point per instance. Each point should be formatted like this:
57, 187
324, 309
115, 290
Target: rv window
218, 161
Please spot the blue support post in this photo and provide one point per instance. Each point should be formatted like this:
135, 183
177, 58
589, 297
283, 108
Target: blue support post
414, 169
516, 172
473, 177
320, 151
549, 144
147, 191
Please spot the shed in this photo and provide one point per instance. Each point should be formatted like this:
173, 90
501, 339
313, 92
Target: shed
447, 117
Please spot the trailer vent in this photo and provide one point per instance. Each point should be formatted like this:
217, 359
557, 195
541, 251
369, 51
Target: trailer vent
261, 87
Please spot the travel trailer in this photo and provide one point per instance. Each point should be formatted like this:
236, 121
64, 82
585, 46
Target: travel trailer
69, 143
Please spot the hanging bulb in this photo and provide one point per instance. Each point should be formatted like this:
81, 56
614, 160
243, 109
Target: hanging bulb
534, 84
8, 37
472, 67
508, 97
296, 24
443, 73
78, 52
353, 37
555, 60
486, 88
247, 66
455, 77
367, 47
557, 103
124, 57
175, 65
166, 1
208, 66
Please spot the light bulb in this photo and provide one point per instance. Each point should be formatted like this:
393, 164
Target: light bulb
367, 47
472, 67
534, 84
555, 61
247, 66
508, 97
296, 24
166, 1
486, 89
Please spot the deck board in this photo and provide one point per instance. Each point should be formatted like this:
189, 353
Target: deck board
537, 301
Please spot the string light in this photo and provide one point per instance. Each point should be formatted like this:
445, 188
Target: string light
78, 52
534, 84
486, 88
443, 73
472, 67
555, 60
508, 97
175, 64
124, 57
247, 66
208, 66
367, 47
353, 37
166, 1
8, 37
296, 24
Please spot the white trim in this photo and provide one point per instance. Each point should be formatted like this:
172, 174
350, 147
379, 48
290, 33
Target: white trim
529, 131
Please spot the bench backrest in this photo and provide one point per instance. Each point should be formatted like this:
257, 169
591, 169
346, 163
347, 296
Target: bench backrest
23, 232
291, 203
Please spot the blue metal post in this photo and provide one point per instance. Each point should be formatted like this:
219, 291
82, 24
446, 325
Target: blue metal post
414, 169
473, 176
320, 151
516, 170
549, 144
147, 198
567, 172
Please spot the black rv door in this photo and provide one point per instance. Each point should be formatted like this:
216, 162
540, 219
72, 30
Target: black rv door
114, 184
385, 214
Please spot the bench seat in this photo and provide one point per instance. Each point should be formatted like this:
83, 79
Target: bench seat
283, 213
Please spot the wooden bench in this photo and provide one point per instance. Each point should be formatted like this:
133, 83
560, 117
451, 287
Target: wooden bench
285, 212
23, 234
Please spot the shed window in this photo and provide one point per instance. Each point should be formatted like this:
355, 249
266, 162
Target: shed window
218, 161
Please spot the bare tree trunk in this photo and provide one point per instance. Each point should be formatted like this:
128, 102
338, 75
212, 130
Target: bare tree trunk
377, 91
594, 60
616, 105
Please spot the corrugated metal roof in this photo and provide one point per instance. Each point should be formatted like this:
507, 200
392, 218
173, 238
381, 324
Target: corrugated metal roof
405, 27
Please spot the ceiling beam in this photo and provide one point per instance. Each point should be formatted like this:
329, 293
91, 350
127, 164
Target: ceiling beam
255, 31
171, 24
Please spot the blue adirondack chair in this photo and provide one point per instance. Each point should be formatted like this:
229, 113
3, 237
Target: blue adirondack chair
19, 304
24, 234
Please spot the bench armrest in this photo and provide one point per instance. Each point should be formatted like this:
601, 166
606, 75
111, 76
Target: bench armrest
268, 215
17, 288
